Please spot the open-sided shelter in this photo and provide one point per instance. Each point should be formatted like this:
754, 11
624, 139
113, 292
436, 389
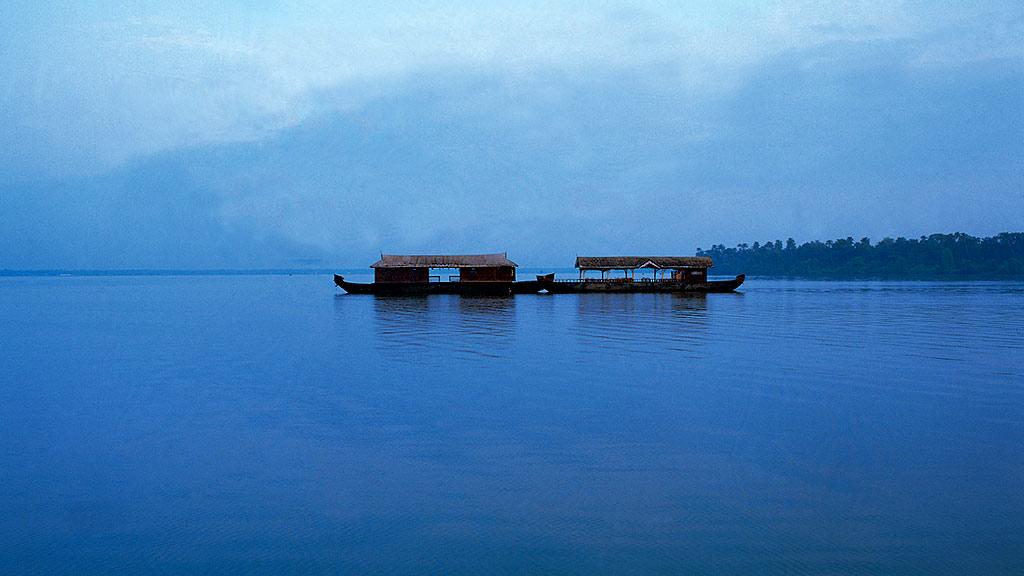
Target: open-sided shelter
392, 268
682, 268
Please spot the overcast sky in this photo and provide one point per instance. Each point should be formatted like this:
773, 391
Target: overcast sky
252, 134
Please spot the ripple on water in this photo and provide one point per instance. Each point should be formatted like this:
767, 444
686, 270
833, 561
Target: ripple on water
241, 424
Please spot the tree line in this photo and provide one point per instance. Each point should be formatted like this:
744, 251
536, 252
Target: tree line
938, 256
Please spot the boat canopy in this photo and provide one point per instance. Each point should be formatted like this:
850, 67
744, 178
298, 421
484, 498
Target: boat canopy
444, 261
635, 262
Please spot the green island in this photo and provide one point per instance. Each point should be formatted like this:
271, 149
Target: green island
935, 257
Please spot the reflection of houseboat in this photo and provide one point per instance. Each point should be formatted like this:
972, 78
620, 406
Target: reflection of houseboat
479, 274
669, 274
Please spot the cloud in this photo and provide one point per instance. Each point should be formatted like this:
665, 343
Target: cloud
558, 165
219, 137
97, 86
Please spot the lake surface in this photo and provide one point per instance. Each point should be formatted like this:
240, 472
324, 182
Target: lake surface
270, 424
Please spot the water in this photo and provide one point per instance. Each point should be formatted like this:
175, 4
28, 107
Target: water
267, 424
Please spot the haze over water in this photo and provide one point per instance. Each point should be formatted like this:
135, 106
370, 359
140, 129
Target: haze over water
270, 424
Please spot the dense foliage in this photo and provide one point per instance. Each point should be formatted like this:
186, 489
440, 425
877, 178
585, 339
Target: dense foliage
939, 256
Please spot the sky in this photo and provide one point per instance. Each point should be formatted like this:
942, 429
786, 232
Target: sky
282, 134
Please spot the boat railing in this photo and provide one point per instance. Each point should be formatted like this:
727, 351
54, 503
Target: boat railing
625, 280
613, 280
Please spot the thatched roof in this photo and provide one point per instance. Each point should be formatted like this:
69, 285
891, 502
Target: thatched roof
443, 261
632, 262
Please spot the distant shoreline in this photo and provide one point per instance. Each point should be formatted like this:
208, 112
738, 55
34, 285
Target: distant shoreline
328, 271
956, 257
941, 257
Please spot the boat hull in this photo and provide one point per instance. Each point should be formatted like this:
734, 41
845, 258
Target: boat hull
427, 288
712, 286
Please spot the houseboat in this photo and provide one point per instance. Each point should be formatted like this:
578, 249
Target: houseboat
668, 274
478, 274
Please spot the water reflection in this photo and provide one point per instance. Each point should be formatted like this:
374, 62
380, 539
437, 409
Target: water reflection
642, 323
427, 329
564, 434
